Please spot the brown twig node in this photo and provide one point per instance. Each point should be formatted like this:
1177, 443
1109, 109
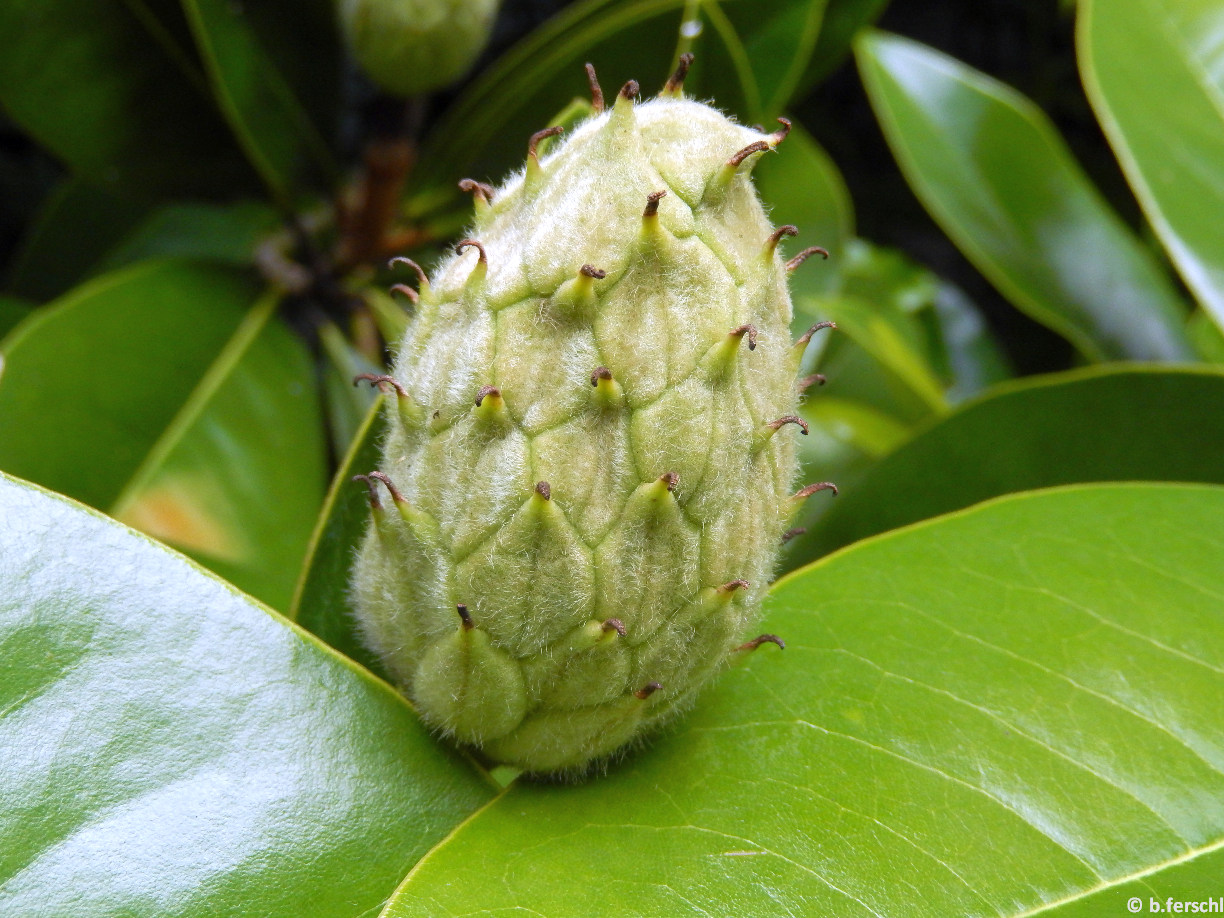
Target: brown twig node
597, 99
465, 616
615, 624
629, 90
486, 391
544, 489
793, 533
394, 491
732, 585
380, 380
675, 83
600, 373
783, 132
592, 271
816, 379
671, 479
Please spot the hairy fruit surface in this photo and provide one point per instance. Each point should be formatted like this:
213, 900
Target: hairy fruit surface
591, 456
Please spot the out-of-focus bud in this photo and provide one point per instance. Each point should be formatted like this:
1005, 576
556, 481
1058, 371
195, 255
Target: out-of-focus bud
408, 47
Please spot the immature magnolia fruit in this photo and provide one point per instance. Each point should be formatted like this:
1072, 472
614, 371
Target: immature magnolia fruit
409, 47
591, 451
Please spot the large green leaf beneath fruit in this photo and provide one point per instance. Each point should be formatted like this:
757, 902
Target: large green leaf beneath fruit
992, 170
996, 713
12, 310
170, 748
1154, 71
1122, 423
108, 87
237, 478
321, 603
269, 122
90, 383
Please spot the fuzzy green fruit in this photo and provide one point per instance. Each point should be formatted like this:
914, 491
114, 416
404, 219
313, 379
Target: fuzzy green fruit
409, 47
592, 442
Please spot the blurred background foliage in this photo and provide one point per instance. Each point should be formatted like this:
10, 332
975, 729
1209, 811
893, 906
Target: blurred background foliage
198, 199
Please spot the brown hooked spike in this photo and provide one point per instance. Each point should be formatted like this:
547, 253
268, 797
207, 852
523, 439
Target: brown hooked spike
379, 380
652, 202
401, 260
805, 255
675, 83
647, 690
807, 335
534, 142
816, 379
467, 243
600, 373
406, 291
789, 419
750, 330
813, 488
793, 533
544, 489
395, 492
762, 639
592, 271
478, 189
465, 616
781, 133
615, 624
629, 90
597, 99
733, 585
486, 391
375, 500
758, 146
776, 236
671, 479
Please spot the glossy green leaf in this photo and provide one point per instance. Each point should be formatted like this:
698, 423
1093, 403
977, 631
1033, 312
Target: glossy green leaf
76, 224
237, 479
91, 382
348, 404
1109, 424
994, 173
843, 20
171, 748
1154, 71
269, 122
321, 602
761, 54
108, 88
997, 713
1208, 337
12, 310
227, 233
